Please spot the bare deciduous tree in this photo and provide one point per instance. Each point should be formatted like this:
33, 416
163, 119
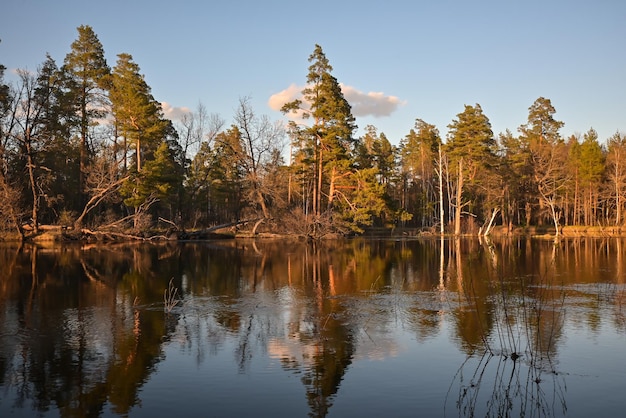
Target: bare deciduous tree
196, 128
102, 182
261, 144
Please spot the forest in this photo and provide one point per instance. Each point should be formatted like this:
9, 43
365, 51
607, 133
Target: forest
86, 149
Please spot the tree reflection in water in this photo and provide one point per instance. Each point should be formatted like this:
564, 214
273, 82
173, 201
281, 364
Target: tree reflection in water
513, 370
82, 329
78, 342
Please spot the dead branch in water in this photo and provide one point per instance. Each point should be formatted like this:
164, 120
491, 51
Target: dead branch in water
208, 231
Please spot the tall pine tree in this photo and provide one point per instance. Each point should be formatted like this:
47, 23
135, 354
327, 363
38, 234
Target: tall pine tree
328, 139
139, 120
88, 81
549, 158
471, 148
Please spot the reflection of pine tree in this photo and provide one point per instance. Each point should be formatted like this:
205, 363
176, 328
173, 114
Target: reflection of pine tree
334, 351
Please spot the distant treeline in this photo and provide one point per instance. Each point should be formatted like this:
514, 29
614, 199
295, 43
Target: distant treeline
87, 146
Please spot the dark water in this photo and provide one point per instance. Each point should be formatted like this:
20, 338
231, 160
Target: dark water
348, 329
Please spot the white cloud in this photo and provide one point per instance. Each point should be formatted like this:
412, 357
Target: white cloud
291, 93
375, 104
173, 113
276, 101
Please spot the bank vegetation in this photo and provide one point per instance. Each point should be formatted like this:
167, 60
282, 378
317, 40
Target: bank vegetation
87, 153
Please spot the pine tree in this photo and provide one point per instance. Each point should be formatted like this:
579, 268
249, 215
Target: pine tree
470, 138
227, 175
158, 182
61, 159
616, 173
138, 116
88, 74
517, 174
198, 186
549, 157
471, 149
591, 167
139, 120
541, 126
328, 140
418, 153
367, 189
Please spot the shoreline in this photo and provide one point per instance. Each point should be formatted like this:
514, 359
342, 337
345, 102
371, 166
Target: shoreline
54, 234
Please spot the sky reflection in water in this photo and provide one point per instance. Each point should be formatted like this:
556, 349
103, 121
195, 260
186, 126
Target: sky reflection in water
354, 328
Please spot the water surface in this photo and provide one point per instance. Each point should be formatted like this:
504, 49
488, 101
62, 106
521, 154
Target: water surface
420, 327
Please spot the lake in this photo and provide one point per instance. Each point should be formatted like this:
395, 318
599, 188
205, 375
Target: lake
347, 328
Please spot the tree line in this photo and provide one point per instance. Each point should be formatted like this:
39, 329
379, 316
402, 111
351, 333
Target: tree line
87, 146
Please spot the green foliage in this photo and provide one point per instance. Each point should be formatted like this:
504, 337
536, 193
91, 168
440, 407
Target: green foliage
157, 180
138, 116
87, 79
70, 136
35, 144
616, 173
541, 126
418, 150
472, 152
418, 154
470, 137
4, 98
324, 147
60, 162
215, 179
368, 201
591, 159
87, 64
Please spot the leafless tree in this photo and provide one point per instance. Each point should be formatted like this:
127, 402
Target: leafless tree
262, 142
103, 181
197, 127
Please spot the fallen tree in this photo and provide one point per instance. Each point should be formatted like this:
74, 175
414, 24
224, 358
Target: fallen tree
211, 231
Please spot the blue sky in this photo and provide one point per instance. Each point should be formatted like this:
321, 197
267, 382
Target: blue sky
397, 60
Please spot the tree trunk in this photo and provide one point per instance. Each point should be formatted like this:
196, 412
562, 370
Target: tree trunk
555, 219
494, 213
576, 202
441, 210
618, 201
459, 196
95, 200
331, 187
33, 187
320, 170
83, 145
138, 154
261, 200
